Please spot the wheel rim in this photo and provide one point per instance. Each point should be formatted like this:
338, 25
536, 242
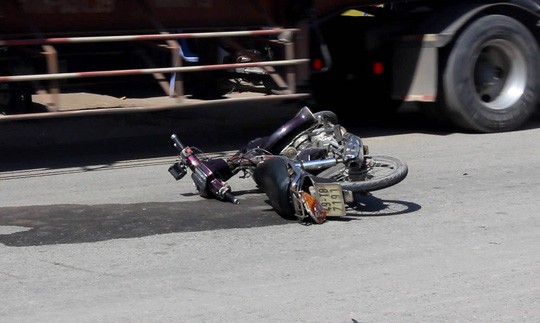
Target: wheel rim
377, 169
500, 74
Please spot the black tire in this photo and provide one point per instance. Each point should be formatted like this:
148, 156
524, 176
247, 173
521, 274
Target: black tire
386, 171
491, 79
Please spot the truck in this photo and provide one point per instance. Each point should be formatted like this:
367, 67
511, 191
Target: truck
473, 64
469, 64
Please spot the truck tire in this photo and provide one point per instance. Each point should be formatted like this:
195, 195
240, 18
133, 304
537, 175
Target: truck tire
491, 80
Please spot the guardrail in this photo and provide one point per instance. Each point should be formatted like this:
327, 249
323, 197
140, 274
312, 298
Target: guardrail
176, 88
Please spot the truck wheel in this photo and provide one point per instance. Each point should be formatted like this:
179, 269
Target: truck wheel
491, 79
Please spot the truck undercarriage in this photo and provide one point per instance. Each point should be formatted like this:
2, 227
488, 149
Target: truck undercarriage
120, 54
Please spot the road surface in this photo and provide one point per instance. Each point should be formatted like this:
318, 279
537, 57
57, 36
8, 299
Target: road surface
100, 232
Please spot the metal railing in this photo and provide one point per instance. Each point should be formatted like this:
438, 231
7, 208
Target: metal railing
174, 90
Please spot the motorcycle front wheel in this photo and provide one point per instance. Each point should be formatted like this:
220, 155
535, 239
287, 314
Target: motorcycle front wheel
381, 172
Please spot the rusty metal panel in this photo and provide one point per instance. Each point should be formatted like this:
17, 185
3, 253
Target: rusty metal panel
34, 17
46, 18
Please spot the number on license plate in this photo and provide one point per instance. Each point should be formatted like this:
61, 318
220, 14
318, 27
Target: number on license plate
331, 198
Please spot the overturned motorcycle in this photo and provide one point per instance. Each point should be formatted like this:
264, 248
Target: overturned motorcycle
309, 168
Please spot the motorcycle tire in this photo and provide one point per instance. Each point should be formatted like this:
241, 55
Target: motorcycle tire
385, 172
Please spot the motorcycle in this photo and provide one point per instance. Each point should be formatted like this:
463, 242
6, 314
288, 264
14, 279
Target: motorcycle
309, 168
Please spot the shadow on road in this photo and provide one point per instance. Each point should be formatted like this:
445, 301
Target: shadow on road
106, 139
73, 223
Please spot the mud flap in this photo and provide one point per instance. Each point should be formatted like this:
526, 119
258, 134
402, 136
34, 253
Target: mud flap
272, 177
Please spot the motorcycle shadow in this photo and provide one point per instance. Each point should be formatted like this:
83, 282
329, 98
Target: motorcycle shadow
368, 206
372, 206
238, 193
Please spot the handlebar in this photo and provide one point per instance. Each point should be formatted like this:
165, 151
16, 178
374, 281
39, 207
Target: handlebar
177, 142
228, 196
206, 177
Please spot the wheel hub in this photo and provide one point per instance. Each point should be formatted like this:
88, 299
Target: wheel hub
500, 74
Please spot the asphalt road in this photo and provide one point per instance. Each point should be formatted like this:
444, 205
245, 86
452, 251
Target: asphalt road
94, 229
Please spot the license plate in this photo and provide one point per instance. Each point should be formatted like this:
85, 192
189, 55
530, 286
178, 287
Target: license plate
331, 198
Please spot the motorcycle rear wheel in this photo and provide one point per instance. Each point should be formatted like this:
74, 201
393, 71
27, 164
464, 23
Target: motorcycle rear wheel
385, 171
